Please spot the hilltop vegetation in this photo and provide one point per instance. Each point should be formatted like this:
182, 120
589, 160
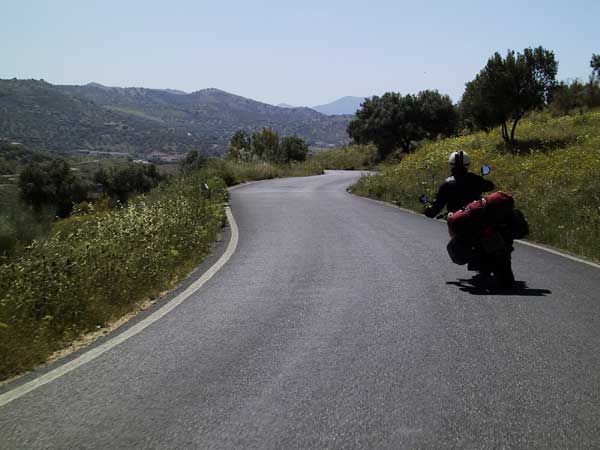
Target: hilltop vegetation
140, 121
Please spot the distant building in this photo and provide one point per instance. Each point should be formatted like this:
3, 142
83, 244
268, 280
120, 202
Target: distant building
168, 158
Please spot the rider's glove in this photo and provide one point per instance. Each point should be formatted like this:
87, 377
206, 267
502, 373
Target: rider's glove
430, 212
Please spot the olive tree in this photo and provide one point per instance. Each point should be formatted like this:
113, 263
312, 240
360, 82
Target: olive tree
396, 121
265, 146
51, 183
240, 147
507, 88
294, 148
595, 65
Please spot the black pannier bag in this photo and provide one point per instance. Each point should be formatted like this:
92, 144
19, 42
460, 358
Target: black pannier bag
518, 225
460, 251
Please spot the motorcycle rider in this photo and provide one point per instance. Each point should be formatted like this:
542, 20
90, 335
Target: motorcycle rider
461, 188
458, 191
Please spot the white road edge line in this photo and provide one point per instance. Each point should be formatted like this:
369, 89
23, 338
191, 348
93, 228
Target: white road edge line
92, 354
520, 241
559, 253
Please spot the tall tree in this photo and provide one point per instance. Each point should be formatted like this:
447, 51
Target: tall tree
395, 121
568, 96
438, 115
265, 145
294, 148
475, 108
593, 86
595, 65
507, 88
123, 181
51, 183
192, 161
240, 147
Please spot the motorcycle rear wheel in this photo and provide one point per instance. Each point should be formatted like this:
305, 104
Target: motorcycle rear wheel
503, 271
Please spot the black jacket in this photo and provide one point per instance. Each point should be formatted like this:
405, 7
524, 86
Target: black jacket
457, 192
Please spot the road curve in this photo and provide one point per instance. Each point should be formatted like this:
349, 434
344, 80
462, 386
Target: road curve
340, 323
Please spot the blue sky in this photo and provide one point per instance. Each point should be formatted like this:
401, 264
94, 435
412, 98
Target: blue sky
302, 53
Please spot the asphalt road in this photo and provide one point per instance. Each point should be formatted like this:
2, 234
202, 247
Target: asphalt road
340, 323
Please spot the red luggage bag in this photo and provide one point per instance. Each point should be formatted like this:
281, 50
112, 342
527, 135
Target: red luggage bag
469, 222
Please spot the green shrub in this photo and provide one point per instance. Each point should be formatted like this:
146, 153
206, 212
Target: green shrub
353, 157
89, 272
20, 224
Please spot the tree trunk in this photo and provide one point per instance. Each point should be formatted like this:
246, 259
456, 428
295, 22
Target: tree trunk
405, 145
512, 132
514, 127
505, 132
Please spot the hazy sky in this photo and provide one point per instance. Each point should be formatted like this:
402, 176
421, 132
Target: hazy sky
304, 52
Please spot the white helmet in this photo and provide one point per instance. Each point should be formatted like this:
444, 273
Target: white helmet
459, 159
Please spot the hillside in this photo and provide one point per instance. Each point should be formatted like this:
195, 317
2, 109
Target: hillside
341, 106
142, 121
13, 157
553, 176
43, 116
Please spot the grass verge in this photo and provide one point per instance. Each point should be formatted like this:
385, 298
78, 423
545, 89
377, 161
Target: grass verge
95, 268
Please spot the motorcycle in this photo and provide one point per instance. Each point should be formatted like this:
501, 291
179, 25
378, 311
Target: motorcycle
482, 235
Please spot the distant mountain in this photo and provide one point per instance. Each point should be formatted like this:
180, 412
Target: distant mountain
285, 105
344, 105
174, 91
142, 121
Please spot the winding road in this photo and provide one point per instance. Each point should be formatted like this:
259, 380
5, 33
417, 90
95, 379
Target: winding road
338, 323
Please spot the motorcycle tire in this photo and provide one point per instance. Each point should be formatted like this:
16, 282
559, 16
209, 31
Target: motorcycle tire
503, 270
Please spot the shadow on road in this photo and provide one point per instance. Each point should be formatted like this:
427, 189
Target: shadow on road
479, 286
